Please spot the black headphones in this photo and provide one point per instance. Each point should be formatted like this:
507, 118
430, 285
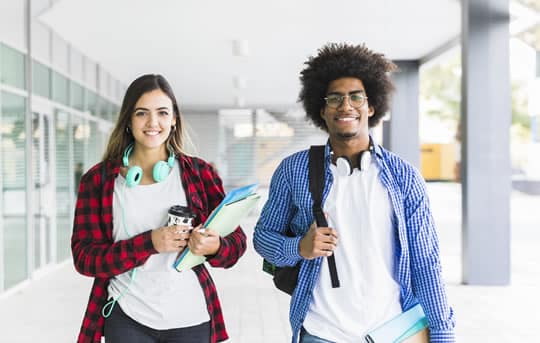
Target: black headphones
344, 165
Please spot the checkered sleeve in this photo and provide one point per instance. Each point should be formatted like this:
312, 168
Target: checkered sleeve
94, 252
232, 246
269, 238
427, 281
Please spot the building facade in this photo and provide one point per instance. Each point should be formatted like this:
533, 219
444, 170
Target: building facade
57, 108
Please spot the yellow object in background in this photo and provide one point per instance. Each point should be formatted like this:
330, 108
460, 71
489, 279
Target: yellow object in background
438, 161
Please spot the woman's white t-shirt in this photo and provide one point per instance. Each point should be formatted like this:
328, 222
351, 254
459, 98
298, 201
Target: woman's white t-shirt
159, 296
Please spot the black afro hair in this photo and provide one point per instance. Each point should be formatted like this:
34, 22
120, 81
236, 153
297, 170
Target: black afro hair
337, 60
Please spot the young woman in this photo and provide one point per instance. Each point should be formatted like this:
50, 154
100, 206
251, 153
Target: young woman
120, 235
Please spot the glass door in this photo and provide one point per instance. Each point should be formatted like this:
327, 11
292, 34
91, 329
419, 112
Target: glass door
43, 183
66, 187
13, 183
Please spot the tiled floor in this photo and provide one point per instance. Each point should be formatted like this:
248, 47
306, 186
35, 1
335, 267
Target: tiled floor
50, 308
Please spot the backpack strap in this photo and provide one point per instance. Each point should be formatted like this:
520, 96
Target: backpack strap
316, 186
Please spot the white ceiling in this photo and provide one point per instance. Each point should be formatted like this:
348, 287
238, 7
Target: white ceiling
190, 42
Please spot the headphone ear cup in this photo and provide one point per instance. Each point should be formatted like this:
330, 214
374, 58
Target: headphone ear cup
133, 176
161, 171
343, 166
364, 160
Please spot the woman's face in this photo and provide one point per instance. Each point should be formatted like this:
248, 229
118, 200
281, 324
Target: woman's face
152, 119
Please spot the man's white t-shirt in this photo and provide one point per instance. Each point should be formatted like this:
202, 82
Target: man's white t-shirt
359, 209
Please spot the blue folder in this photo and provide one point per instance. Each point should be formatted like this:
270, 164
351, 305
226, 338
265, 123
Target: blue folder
234, 195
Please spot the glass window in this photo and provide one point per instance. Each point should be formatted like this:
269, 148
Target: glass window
12, 67
80, 135
12, 138
90, 77
60, 88
239, 154
91, 102
94, 144
77, 96
103, 82
118, 90
64, 198
41, 79
43, 194
115, 111
105, 109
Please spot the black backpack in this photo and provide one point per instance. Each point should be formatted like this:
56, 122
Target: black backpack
286, 278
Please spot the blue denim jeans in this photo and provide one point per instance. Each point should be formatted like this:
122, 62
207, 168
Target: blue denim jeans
119, 328
306, 337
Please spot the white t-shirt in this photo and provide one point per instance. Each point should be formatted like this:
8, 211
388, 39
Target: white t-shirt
359, 209
159, 296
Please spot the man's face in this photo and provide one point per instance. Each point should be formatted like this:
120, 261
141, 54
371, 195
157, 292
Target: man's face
347, 109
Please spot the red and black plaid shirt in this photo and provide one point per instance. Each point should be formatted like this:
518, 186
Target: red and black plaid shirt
96, 254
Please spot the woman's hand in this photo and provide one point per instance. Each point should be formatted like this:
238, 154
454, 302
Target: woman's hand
171, 238
204, 241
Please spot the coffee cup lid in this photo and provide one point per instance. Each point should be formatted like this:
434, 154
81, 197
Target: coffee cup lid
181, 211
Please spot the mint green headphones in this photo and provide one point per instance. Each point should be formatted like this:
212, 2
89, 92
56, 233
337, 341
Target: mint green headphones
134, 174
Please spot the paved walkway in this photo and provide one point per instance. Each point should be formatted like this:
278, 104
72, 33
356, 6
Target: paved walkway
50, 308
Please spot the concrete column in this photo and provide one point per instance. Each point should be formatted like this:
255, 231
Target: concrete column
400, 133
486, 119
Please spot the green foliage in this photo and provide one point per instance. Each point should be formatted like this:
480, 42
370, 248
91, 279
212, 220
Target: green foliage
440, 93
440, 89
520, 115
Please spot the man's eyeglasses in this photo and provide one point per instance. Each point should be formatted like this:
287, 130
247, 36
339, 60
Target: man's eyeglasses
356, 100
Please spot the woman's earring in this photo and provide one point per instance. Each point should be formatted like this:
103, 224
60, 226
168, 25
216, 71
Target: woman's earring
127, 130
173, 128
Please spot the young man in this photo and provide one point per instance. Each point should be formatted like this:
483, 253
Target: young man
381, 230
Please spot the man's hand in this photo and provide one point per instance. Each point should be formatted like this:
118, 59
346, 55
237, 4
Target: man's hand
204, 241
318, 241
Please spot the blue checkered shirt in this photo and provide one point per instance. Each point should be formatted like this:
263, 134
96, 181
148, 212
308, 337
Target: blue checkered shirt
418, 269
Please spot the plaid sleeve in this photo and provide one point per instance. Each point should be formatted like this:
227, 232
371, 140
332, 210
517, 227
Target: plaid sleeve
427, 281
232, 246
269, 239
94, 252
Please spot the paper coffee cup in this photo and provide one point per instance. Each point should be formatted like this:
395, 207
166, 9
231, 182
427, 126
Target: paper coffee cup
180, 215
